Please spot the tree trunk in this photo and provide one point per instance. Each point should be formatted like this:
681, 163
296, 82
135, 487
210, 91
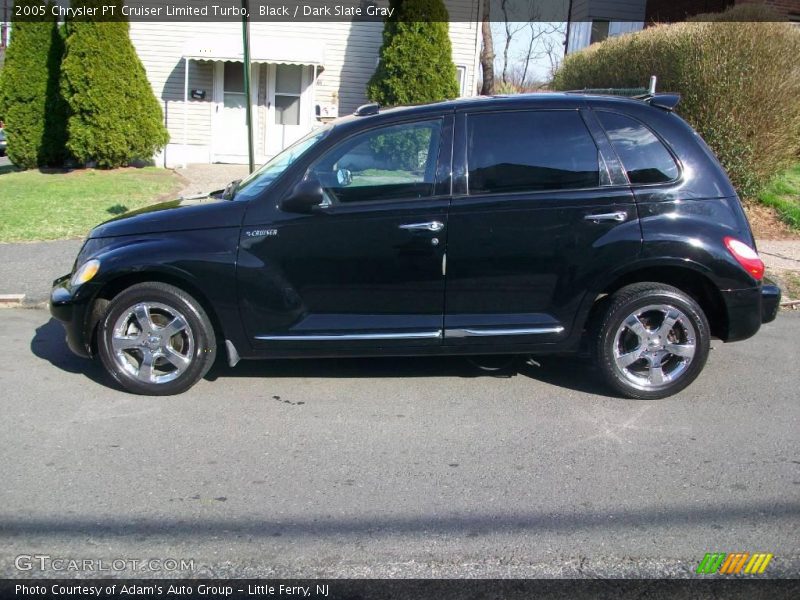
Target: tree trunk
487, 52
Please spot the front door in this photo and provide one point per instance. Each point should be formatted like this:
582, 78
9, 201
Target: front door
230, 130
288, 98
366, 269
535, 226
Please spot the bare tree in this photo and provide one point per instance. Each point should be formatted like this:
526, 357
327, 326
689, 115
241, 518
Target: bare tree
543, 42
512, 27
553, 48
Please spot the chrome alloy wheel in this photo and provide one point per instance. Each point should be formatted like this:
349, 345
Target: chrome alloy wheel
153, 342
654, 346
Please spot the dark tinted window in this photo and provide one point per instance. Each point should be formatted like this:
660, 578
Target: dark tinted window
599, 31
645, 158
520, 151
396, 162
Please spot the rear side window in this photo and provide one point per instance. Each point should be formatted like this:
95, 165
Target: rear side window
645, 158
521, 151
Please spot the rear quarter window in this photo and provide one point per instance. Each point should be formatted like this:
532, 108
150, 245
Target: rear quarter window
522, 151
646, 160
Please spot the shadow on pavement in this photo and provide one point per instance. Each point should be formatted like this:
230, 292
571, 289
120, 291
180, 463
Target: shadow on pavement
570, 373
49, 344
471, 525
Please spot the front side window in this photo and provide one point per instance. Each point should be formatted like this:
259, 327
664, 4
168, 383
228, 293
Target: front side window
389, 163
528, 151
644, 157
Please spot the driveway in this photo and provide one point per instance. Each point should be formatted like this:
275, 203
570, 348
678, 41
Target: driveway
399, 467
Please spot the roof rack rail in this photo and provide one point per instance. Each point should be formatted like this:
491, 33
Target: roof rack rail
626, 92
367, 109
666, 101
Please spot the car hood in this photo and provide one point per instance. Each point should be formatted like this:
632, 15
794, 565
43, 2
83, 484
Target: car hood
183, 214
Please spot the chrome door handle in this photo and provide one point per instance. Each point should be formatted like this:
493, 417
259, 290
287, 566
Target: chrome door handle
430, 226
618, 216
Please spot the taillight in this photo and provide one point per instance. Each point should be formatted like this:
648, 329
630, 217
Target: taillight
745, 256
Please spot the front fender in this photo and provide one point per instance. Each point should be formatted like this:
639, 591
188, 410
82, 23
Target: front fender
203, 263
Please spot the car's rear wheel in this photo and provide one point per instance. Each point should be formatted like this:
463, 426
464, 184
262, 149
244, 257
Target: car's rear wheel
155, 339
653, 341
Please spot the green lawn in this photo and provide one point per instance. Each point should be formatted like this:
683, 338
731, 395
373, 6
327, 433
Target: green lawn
49, 206
783, 194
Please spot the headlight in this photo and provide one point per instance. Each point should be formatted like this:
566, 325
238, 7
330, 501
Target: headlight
85, 272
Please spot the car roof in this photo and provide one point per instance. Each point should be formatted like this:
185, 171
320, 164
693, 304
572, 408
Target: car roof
556, 100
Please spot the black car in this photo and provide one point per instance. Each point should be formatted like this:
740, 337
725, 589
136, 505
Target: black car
533, 224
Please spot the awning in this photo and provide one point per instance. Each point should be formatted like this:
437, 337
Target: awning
290, 51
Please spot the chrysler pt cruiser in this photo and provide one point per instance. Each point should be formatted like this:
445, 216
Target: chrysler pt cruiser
532, 224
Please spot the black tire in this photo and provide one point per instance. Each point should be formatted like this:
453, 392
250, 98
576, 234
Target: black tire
194, 344
617, 341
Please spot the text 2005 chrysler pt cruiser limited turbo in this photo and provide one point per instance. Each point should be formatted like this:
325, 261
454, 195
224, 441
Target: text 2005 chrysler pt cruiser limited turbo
521, 225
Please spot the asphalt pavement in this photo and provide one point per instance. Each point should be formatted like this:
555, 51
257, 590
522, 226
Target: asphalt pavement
398, 467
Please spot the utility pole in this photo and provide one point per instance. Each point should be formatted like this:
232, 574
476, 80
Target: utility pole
249, 109
4, 28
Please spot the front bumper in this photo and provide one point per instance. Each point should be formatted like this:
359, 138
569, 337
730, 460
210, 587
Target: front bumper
72, 306
748, 309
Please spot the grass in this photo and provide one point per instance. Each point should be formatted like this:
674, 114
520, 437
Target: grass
37, 205
783, 194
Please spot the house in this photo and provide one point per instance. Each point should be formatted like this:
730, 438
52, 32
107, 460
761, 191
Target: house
593, 21
302, 74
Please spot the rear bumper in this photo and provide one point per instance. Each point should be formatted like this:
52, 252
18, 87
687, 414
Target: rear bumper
72, 307
770, 301
748, 309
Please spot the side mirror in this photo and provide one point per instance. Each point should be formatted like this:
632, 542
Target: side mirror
304, 197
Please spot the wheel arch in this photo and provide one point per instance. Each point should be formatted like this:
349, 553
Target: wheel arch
686, 277
123, 281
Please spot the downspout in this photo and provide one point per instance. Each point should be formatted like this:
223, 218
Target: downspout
313, 102
185, 110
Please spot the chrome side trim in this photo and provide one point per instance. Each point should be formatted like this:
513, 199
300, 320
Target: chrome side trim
417, 335
460, 333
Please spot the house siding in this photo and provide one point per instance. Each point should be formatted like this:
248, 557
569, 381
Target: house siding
351, 55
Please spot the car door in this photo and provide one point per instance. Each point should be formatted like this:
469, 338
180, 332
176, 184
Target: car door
537, 215
364, 270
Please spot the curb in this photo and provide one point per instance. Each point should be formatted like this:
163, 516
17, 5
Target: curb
8, 300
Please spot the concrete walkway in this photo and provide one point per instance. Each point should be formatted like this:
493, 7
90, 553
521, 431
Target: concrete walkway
780, 254
201, 179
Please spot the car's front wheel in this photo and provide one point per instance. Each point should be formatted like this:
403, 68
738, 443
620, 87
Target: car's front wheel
156, 340
653, 341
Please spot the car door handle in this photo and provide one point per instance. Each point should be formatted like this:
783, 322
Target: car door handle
618, 216
429, 226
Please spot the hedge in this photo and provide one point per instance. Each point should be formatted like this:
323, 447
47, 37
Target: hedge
30, 100
416, 62
114, 116
739, 81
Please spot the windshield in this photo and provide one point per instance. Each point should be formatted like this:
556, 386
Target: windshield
259, 180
